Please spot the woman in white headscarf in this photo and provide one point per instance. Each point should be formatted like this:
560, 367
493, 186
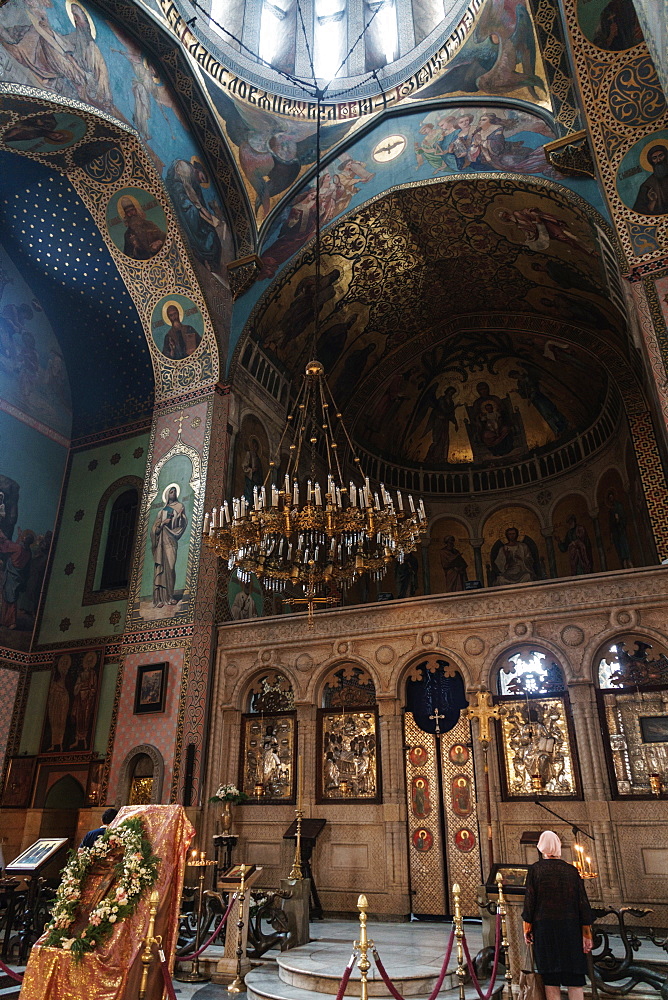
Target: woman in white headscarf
557, 920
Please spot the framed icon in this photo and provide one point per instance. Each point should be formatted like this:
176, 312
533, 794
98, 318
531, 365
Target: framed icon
36, 856
151, 690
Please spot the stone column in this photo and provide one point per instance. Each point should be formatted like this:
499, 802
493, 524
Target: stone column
476, 545
548, 535
599, 539
393, 778
426, 579
307, 714
585, 737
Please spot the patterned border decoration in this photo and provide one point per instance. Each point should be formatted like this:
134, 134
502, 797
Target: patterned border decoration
177, 70
547, 22
622, 104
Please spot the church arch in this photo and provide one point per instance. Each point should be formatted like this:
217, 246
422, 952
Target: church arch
327, 672
642, 645
66, 793
433, 656
531, 668
142, 762
268, 745
94, 589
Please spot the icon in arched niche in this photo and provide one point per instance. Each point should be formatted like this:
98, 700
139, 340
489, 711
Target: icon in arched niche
136, 223
420, 796
177, 326
164, 582
245, 599
464, 840
610, 24
462, 804
642, 178
48, 132
423, 840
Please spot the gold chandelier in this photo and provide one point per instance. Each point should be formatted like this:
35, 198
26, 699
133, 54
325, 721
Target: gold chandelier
302, 533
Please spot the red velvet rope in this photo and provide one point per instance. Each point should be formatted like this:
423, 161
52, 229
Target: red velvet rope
8, 972
196, 954
439, 982
497, 949
346, 976
166, 975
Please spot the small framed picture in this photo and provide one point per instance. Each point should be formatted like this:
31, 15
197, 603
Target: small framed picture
36, 856
514, 878
151, 691
654, 728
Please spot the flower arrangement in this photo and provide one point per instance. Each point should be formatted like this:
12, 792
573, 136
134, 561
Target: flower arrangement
136, 871
229, 793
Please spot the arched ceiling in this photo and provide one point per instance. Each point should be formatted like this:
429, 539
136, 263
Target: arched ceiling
420, 298
49, 235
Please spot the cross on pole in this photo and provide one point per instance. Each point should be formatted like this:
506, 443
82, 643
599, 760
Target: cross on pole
436, 717
181, 417
484, 711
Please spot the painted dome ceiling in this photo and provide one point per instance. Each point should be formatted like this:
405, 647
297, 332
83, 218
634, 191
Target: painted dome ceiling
454, 322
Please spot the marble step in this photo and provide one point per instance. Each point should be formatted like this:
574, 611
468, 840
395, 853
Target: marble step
316, 968
265, 984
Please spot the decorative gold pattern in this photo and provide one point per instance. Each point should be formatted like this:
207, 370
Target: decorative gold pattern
349, 756
268, 757
537, 754
464, 863
634, 760
426, 867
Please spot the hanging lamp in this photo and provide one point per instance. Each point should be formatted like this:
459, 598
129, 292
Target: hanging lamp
298, 531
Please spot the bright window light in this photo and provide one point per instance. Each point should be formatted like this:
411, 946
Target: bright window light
387, 25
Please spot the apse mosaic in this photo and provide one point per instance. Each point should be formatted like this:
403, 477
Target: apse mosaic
480, 398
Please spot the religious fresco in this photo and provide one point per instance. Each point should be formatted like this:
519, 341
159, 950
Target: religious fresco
76, 54
137, 223
451, 560
251, 458
45, 133
642, 175
72, 702
618, 522
170, 520
464, 139
482, 397
33, 377
610, 24
245, 600
524, 249
575, 547
177, 326
513, 547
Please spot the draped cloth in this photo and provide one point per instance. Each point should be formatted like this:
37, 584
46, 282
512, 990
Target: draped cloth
113, 971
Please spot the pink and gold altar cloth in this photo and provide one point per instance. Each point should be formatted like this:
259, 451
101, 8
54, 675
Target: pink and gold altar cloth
113, 972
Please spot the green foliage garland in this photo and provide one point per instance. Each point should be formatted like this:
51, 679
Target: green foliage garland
137, 872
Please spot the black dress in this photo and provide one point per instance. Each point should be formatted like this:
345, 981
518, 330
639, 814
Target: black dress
557, 908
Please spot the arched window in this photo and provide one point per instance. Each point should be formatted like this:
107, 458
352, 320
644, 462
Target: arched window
141, 782
120, 539
536, 739
529, 671
632, 674
110, 559
348, 750
268, 741
141, 776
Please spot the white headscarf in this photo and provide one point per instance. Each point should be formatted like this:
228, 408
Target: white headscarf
549, 843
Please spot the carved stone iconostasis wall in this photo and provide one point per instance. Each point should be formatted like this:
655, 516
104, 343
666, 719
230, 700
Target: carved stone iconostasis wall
475, 634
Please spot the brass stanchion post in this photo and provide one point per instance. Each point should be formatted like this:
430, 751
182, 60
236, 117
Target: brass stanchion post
195, 976
296, 870
238, 985
363, 946
459, 934
149, 941
501, 910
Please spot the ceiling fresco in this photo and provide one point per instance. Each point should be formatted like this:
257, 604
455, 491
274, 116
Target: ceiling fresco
58, 250
482, 397
398, 265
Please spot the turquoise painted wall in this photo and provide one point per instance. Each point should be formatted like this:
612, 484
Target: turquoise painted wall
92, 472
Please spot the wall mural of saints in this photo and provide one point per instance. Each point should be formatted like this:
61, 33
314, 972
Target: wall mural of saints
72, 703
177, 326
610, 24
163, 588
642, 178
451, 559
137, 224
63, 47
513, 547
574, 537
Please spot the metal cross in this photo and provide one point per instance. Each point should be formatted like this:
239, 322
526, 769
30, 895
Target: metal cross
436, 717
483, 711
